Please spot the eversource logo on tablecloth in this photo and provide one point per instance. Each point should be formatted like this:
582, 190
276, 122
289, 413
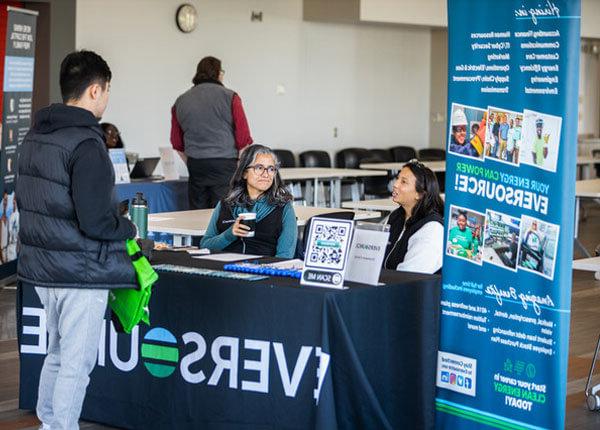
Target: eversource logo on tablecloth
159, 352
216, 364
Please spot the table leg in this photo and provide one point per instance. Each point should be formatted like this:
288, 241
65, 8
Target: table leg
316, 193
577, 243
332, 201
338, 192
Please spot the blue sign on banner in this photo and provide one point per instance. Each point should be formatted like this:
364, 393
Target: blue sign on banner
510, 183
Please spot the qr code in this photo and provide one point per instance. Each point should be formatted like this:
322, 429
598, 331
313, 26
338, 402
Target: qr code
327, 245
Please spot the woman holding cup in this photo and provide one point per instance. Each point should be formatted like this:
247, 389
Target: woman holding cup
256, 216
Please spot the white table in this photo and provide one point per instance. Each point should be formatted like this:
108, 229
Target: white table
585, 164
372, 205
321, 174
435, 166
589, 265
184, 224
386, 205
586, 189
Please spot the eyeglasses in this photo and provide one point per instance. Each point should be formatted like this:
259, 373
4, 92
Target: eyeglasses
259, 169
459, 128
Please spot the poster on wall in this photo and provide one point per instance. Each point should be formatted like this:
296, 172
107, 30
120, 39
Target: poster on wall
18, 67
510, 184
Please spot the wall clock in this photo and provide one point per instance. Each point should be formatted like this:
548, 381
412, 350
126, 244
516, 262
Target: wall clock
186, 18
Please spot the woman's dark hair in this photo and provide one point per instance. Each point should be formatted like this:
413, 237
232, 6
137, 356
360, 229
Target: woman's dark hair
105, 126
79, 70
427, 186
208, 70
277, 195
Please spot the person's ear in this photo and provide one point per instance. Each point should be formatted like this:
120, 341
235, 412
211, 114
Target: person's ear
95, 90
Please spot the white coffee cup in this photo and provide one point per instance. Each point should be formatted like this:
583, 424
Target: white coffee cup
249, 219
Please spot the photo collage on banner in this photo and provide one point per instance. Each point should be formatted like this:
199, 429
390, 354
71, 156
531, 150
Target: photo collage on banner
498, 134
513, 71
18, 63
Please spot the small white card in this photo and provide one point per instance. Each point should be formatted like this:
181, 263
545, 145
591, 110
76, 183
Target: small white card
227, 257
119, 162
366, 255
167, 160
327, 252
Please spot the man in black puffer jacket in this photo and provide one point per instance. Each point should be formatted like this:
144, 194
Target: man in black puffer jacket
72, 237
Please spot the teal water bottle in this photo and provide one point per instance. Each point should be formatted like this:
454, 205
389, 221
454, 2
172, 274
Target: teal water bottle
139, 214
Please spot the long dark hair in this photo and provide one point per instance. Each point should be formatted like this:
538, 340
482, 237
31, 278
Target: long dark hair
277, 195
427, 186
208, 70
105, 126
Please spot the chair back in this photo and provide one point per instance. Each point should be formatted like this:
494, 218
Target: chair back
350, 158
432, 154
302, 244
403, 153
596, 154
315, 159
286, 158
381, 155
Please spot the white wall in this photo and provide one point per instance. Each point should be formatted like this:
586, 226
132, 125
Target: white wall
434, 13
371, 82
590, 18
415, 12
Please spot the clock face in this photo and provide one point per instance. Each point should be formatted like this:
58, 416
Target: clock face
187, 18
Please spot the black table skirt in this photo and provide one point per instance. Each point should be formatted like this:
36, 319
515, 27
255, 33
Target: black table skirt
378, 346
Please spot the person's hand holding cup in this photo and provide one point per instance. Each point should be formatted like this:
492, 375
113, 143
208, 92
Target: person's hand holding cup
244, 225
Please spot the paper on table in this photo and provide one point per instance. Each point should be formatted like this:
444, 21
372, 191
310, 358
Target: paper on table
201, 251
158, 218
289, 264
227, 257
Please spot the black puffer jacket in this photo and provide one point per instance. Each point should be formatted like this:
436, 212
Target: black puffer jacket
71, 234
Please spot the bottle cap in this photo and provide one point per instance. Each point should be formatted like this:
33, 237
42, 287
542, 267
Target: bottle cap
139, 200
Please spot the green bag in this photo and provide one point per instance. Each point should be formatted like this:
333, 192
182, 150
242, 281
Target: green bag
131, 305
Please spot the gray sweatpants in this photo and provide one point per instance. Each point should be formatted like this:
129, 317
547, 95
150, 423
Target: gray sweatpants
74, 318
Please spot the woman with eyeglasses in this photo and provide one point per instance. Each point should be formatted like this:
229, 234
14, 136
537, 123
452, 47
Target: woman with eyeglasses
417, 227
255, 187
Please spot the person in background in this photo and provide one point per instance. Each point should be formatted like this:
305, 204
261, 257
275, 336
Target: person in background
255, 187
208, 130
489, 126
476, 239
13, 232
72, 240
4, 229
416, 242
540, 143
112, 136
517, 136
510, 142
460, 238
495, 136
458, 141
503, 133
474, 130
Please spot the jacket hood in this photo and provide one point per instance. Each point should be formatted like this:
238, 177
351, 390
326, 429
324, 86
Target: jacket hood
58, 115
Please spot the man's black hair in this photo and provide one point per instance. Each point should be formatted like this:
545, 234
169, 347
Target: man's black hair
79, 70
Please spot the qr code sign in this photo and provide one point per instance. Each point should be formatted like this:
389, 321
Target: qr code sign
328, 244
